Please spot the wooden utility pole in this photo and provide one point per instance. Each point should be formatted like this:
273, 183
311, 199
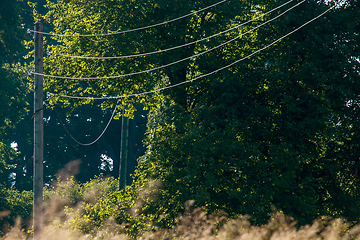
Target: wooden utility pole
123, 151
38, 134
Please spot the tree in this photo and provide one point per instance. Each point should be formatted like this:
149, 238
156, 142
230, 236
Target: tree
273, 131
13, 83
85, 124
60, 149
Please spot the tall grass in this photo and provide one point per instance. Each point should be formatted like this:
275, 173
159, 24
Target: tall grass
84, 211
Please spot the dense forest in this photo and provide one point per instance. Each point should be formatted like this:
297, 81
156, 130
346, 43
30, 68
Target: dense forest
241, 107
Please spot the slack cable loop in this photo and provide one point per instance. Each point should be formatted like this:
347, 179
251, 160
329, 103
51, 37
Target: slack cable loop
35, 113
176, 62
97, 139
176, 47
207, 74
130, 30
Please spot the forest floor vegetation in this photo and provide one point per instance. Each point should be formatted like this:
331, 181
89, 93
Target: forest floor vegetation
88, 211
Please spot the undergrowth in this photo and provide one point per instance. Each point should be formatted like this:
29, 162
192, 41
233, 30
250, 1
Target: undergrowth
97, 210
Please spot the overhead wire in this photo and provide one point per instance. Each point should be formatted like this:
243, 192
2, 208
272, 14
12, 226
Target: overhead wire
130, 30
175, 85
176, 47
204, 75
172, 63
97, 139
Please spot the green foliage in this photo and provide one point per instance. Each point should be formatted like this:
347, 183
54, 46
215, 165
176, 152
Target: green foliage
272, 132
110, 16
12, 80
14, 204
14, 108
10, 30
266, 134
13, 92
85, 124
97, 205
97, 210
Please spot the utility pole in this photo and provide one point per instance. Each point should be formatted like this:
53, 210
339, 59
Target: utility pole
123, 151
38, 133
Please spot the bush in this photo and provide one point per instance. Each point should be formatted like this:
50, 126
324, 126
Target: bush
97, 205
97, 210
13, 204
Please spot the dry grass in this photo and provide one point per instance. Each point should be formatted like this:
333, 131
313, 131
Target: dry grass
197, 225
194, 224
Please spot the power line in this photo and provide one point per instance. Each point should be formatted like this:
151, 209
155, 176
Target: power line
176, 47
130, 30
204, 75
173, 63
97, 139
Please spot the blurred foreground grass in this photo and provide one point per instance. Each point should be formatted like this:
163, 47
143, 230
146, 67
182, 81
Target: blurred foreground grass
96, 210
197, 226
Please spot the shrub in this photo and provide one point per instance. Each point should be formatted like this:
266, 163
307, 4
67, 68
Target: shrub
97, 210
97, 204
14, 204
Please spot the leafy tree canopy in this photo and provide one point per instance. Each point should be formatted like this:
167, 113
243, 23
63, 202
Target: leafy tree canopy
85, 123
13, 83
277, 130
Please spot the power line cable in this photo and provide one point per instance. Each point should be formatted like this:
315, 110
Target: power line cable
97, 139
169, 64
204, 75
172, 48
130, 30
